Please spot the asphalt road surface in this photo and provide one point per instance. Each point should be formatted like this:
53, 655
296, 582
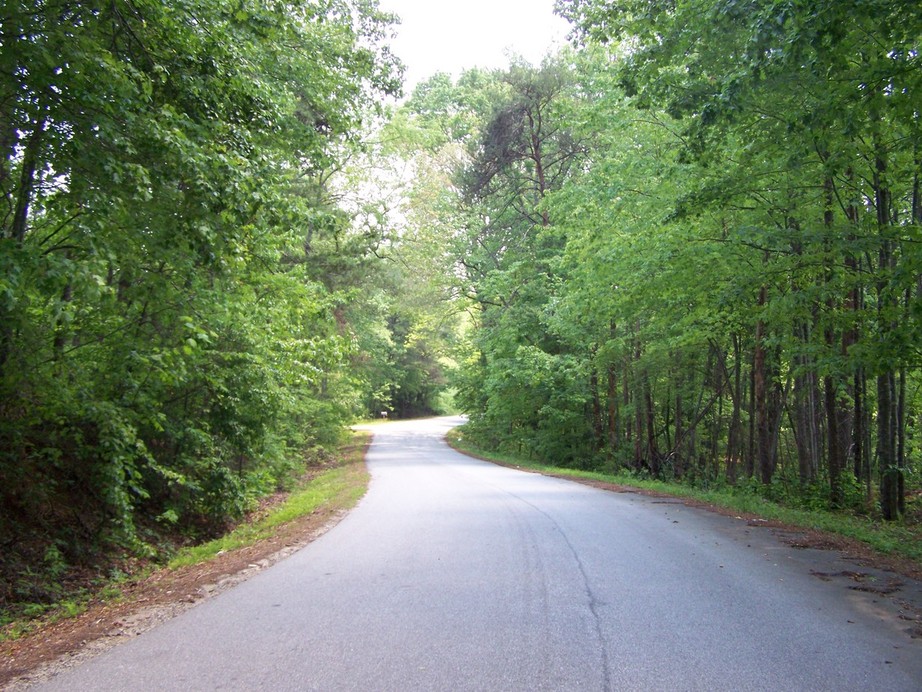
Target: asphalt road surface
455, 574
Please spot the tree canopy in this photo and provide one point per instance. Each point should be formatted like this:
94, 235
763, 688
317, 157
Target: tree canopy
179, 287
688, 246
691, 245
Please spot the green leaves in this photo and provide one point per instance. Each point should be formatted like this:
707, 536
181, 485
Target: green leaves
165, 350
733, 258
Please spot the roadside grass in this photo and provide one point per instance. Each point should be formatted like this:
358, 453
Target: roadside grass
34, 616
898, 539
338, 488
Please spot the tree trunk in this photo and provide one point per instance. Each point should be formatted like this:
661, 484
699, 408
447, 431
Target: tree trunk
27, 182
892, 491
678, 453
891, 480
860, 467
901, 442
20, 219
614, 433
806, 411
652, 451
861, 457
835, 453
735, 432
597, 426
749, 463
760, 398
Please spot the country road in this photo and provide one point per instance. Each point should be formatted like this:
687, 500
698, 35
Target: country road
456, 574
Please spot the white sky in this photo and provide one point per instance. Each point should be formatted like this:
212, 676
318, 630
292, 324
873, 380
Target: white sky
451, 35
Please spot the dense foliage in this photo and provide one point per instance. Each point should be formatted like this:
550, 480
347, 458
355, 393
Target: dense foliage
688, 246
692, 245
182, 294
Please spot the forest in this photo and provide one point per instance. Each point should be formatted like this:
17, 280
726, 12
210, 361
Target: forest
686, 246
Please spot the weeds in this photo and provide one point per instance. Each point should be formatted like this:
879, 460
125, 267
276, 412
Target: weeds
337, 488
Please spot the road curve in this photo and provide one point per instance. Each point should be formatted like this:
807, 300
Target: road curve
455, 574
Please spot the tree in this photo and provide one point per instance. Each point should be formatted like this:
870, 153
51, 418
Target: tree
827, 209
522, 388
161, 362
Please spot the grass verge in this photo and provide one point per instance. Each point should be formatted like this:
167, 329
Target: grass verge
331, 491
337, 489
899, 539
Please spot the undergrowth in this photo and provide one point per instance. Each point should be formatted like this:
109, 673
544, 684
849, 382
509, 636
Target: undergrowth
338, 487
